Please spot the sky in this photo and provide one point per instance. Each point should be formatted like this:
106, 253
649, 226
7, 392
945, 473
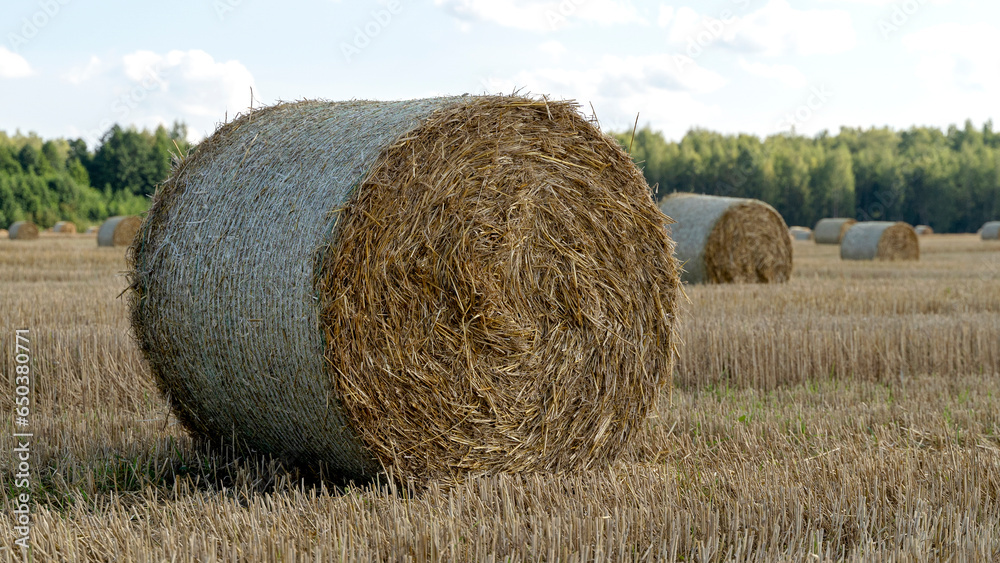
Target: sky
72, 69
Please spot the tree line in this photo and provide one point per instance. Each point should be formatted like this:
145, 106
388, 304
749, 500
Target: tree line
949, 180
46, 181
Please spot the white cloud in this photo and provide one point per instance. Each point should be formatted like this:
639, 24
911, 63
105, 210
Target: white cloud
886, 2
964, 57
666, 14
786, 74
542, 15
150, 89
82, 73
775, 29
13, 65
661, 88
553, 49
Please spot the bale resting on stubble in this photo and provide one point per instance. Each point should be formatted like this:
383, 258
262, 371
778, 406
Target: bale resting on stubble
64, 227
728, 239
990, 231
23, 230
883, 240
800, 233
922, 230
832, 230
118, 230
434, 287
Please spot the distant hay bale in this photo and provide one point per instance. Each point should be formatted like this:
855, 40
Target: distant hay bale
990, 231
727, 239
922, 230
64, 227
439, 286
832, 230
883, 240
23, 230
118, 230
90, 231
4, 233
800, 233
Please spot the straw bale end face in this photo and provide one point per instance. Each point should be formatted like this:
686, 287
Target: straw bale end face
477, 284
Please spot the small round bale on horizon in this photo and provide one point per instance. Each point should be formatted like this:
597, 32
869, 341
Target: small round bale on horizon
728, 239
118, 230
64, 227
923, 230
430, 287
832, 230
800, 233
990, 231
23, 230
882, 240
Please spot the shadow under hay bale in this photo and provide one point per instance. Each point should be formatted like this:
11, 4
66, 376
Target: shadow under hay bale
990, 231
832, 230
882, 240
118, 230
23, 230
64, 227
800, 233
727, 239
922, 230
433, 287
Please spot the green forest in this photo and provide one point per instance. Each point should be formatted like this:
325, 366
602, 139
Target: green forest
54, 180
949, 180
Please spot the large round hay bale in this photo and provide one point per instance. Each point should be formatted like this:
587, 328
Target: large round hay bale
923, 230
990, 231
800, 233
883, 240
23, 230
728, 239
832, 230
118, 230
64, 227
429, 286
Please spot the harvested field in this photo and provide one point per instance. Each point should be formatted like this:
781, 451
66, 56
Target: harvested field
849, 414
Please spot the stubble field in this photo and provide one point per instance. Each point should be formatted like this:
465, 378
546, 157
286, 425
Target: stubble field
850, 414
